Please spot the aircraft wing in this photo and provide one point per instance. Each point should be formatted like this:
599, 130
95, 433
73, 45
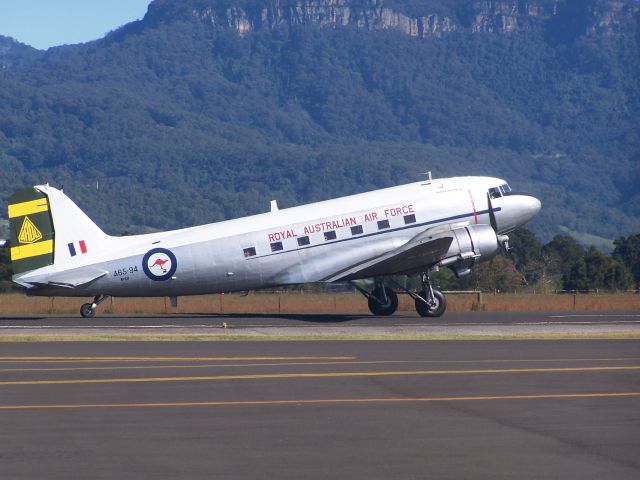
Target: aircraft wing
418, 254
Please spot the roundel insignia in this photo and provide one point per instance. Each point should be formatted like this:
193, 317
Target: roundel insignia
159, 264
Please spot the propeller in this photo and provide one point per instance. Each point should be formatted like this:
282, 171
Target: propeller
503, 240
492, 214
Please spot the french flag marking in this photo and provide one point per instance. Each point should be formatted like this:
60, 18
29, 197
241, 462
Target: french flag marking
82, 247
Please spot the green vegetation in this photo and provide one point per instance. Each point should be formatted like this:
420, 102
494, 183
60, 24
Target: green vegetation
627, 251
561, 264
170, 121
5, 271
600, 243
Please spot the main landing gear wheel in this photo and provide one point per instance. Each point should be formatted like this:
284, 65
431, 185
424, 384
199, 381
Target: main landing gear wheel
436, 306
383, 301
87, 311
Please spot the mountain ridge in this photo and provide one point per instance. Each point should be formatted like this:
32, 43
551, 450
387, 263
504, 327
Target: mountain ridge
192, 121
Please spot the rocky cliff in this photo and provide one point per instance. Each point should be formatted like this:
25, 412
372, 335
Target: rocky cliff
603, 17
613, 17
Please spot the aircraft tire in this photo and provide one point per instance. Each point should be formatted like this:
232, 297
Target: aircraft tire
86, 311
386, 309
437, 310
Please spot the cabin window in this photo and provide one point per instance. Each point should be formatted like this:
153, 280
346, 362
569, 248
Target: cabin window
330, 235
276, 246
357, 230
249, 252
409, 219
302, 241
382, 224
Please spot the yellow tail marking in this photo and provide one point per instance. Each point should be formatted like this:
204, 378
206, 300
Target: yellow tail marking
29, 233
28, 208
32, 250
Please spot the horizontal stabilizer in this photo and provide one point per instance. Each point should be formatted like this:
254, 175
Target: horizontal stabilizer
68, 279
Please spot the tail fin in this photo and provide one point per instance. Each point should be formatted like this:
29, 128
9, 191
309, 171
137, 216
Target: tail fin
31, 240
48, 228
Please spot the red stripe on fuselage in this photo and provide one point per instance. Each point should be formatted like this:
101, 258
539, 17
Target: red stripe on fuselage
475, 214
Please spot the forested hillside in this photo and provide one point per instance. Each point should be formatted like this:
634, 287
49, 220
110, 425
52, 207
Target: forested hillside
207, 109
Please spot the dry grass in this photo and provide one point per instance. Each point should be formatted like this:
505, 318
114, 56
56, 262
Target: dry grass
19, 304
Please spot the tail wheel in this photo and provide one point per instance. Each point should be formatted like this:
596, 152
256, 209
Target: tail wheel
436, 309
87, 311
377, 304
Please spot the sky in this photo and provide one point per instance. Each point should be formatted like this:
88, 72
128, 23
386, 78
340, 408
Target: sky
47, 23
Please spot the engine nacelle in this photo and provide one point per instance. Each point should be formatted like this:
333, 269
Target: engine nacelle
471, 244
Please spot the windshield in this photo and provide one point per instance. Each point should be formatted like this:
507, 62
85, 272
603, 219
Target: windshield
505, 188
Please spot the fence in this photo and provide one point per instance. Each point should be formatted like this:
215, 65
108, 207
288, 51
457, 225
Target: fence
342, 303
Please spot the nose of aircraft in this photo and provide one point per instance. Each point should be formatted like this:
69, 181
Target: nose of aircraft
518, 210
529, 208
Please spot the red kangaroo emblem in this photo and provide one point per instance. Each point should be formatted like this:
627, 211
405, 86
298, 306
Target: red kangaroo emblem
160, 263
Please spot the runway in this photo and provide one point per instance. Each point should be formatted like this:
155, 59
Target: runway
316, 410
451, 325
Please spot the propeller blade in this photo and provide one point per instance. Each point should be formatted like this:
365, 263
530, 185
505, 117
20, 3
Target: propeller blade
492, 215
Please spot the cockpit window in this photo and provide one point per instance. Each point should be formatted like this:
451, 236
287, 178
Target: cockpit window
505, 188
495, 192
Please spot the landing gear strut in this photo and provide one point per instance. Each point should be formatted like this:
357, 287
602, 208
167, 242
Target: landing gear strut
429, 302
383, 301
88, 310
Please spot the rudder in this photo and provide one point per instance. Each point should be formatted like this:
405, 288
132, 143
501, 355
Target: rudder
32, 237
47, 228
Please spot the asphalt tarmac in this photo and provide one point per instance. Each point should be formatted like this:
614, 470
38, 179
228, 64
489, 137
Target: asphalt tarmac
317, 410
452, 324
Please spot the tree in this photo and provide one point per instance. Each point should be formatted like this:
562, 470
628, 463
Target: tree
526, 254
627, 251
5, 269
594, 270
497, 275
565, 250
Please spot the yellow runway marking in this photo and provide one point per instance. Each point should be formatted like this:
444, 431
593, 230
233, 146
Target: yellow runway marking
331, 362
159, 367
318, 375
327, 401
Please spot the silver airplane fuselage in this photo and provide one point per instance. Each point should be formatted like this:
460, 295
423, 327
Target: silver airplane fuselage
309, 243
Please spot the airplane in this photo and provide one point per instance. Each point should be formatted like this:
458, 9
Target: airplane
412, 229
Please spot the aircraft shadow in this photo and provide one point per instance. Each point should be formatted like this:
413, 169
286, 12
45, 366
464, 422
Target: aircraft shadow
300, 317
28, 319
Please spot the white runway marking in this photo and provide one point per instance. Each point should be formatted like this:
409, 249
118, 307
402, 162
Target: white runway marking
613, 322
578, 315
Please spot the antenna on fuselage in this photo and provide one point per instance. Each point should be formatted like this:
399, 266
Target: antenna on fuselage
274, 205
428, 175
